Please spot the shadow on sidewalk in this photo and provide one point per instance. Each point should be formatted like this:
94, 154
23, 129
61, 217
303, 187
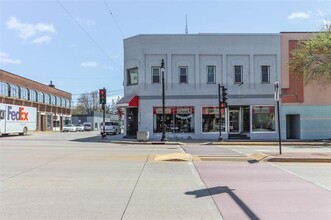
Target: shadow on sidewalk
224, 189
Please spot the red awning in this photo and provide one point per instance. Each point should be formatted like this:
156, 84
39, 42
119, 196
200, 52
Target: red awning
128, 101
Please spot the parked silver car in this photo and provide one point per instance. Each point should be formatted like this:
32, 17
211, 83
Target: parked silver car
87, 126
110, 128
69, 128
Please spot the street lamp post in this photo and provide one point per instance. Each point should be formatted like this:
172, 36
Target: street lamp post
164, 137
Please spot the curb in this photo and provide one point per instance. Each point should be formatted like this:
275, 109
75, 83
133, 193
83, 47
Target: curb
273, 143
147, 143
300, 160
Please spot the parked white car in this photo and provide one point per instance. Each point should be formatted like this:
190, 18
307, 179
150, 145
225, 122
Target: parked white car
69, 128
80, 127
111, 128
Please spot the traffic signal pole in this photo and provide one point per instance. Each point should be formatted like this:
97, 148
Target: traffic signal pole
222, 104
103, 101
104, 124
220, 113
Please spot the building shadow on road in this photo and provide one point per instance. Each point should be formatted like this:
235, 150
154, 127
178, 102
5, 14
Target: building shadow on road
221, 190
99, 139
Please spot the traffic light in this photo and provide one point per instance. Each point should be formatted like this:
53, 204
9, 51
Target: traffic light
224, 94
223, 105
102, 96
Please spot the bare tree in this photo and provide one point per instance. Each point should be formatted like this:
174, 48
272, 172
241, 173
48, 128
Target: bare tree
87, 103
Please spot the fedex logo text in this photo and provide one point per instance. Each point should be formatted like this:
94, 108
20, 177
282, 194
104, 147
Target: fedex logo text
19, 115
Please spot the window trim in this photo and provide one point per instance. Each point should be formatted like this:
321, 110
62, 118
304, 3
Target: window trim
186, 75
159, 74
268, 72
128, 72
241, 74
214, 80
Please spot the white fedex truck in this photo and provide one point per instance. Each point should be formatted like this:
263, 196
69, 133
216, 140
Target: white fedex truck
17, 119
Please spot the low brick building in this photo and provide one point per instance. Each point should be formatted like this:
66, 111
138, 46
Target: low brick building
53, 105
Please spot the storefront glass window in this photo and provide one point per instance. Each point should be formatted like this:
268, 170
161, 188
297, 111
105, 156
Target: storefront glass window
263, 118
177, 119
56, 121
210, 119
49, 121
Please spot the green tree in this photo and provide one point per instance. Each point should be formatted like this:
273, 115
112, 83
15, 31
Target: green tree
312, 58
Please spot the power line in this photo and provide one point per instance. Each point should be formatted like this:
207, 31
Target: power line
83, 29
114, 19
116, 91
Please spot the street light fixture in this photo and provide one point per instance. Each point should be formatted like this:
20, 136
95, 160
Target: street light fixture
164, 137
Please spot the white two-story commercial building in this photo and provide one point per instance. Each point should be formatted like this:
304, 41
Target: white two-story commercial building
246, 64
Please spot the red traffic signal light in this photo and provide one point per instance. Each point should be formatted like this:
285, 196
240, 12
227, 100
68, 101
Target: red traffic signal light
102, 96
223, 105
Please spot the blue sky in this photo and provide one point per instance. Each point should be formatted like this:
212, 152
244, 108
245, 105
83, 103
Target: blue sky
78, 44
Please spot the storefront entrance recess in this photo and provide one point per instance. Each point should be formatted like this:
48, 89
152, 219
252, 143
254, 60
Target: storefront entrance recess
132, 122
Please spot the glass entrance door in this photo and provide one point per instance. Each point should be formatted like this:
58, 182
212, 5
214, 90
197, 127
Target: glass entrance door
234, 121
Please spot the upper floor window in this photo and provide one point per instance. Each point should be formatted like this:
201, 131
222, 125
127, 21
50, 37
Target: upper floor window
265, 74
68, 103
33, 96
53, 100
3, 89
238, 74
155, 74
132, 76
47, 98
24, 93
63, 102
14, 91
211, 74
183, 74
58, 101
41, 97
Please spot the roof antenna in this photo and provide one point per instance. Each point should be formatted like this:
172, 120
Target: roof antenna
186, 29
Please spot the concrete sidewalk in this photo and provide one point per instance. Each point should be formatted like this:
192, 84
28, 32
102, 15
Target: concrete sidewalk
201, 146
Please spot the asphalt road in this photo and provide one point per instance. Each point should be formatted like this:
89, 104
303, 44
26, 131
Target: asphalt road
80, 176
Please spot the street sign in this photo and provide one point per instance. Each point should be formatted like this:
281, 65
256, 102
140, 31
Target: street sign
276, 93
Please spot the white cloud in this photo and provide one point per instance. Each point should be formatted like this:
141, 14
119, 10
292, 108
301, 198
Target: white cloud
300, 15
4, 58
27, 30
41, 40
89, 64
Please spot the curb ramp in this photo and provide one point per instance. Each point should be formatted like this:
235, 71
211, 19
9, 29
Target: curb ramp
174, 157
254, 158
